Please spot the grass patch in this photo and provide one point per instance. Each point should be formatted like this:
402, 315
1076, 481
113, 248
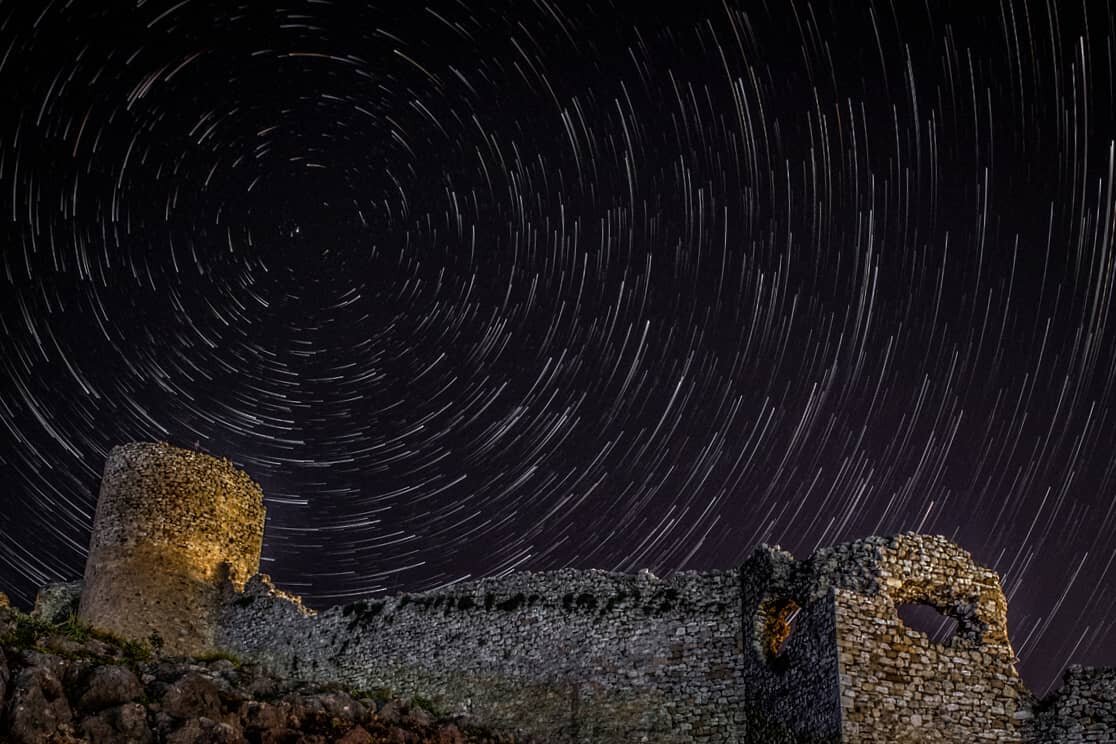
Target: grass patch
27, 631
136, 652
74, 629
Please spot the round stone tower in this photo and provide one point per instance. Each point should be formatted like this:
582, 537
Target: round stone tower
172, 528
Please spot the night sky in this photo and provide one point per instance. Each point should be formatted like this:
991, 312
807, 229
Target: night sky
472, 288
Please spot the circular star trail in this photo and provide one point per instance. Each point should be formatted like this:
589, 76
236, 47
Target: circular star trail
540, 285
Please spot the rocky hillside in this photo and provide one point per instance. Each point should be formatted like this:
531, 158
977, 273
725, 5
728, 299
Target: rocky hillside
62, 682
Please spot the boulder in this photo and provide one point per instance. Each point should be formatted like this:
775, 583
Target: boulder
98, 730
281, 736
390, 712
67, 670
417, 716
261, 717
193, 696
38, 709
263, 686
124, 724
56, 602
59, 644
130, 720
358, 735
342, 709
450, 734
109, 686
204, 731
307, 712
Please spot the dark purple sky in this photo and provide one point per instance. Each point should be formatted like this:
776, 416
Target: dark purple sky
543, 285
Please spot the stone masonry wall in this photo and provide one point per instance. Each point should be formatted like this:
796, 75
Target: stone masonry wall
828, 628
171, 528
790, 654
1083, 710
899, 686
781, 651
571, 656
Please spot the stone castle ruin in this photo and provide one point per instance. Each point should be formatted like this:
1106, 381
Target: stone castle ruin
171, 528
777, 650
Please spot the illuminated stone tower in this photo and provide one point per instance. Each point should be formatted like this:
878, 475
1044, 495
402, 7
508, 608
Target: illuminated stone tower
172, 527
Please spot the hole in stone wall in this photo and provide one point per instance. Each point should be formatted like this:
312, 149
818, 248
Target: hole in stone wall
779, 618
929, 620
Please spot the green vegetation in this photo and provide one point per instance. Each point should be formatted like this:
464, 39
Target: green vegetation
135, 651
74, 629
26, 631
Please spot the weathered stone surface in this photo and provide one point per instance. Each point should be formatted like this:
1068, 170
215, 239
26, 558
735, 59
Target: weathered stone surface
193, 696
55, 603
780, 651
172, 528
131, 721
597, 655
109, 686
262, 717
124, 723
357, 735
1082, 710
55, 700
38, 708
204, 731
99, 730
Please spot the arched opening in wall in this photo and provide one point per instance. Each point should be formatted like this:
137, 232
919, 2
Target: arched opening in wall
778, 619
925, 618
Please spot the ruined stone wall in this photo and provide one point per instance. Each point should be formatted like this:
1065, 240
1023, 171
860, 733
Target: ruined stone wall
790, 654
897, 684
571, 656
869, 677
779, 651
1083, 710
171, 527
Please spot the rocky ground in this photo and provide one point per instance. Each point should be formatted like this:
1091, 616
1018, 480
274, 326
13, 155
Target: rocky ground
63, 683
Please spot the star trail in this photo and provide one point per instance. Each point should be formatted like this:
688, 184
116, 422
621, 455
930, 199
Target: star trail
471, 290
